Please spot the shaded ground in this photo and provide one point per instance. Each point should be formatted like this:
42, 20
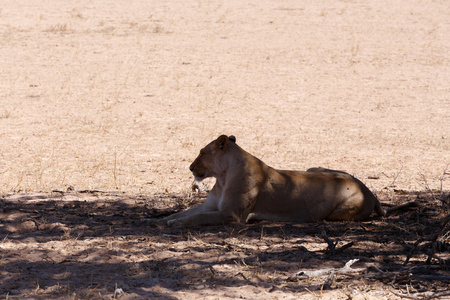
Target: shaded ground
93, 245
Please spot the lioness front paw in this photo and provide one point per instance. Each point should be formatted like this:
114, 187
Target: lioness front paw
155, 222
175, 223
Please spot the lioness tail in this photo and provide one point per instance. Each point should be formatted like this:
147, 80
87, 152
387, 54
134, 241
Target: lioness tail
378, 209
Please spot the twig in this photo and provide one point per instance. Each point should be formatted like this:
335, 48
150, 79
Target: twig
421, 296
241, 274
411, 252
437, 295
393, 183
84, 191
329, 281
115, 170
432, 242
346, 246
404, 296
430, 277
345, 270
444, 223
92, 191
331, 244
428, 187
443, 177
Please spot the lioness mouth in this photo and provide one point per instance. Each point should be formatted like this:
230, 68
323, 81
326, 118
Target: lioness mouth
199, 179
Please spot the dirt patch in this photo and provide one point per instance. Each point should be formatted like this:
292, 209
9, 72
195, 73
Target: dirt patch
96, 246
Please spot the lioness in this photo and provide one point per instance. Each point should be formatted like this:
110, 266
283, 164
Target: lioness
247, 189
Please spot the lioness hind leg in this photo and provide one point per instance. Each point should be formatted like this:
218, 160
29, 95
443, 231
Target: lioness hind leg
358, 208
349, 211
371, 202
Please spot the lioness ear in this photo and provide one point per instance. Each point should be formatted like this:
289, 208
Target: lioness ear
232, 138
222, 142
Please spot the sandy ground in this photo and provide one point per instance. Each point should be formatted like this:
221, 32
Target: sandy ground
124, 94
120, 96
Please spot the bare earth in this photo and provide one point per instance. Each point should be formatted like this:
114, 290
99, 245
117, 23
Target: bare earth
104, 104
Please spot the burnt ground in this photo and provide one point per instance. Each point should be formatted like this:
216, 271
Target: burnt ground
94, 245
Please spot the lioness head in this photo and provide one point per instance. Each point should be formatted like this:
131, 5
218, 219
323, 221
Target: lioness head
207, 163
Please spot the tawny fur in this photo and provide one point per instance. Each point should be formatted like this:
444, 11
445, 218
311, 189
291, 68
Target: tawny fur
247, 189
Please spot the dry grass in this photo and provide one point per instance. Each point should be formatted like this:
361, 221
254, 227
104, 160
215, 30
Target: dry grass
107, 91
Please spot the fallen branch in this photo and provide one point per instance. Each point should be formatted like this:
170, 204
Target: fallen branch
444, 223
404, 295
92, 191
83, 191
422, 296
432, 243
430, 277
329, 281
346, 246
411, 252
345, 270
332, 245
437, 295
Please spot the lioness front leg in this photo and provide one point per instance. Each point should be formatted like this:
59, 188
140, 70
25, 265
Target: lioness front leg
183, 214
204, 218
